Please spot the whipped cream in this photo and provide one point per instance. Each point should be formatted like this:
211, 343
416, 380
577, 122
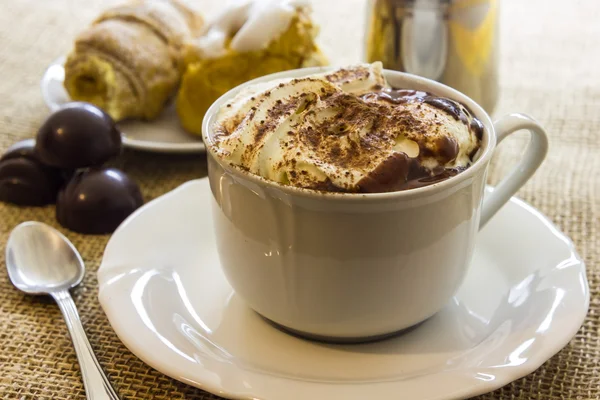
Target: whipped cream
250, 24
345, 131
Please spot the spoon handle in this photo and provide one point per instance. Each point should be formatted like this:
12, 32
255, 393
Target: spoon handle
97, 386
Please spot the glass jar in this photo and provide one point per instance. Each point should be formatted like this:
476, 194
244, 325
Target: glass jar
451, 41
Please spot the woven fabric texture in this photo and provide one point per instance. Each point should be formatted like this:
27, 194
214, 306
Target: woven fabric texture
549, 69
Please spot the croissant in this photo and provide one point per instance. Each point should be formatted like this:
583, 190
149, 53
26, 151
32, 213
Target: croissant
206, 77
130, 60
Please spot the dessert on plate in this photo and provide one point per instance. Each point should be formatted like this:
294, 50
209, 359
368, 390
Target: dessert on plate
129, 61
247, 40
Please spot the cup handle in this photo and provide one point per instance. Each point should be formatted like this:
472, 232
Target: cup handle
533, 157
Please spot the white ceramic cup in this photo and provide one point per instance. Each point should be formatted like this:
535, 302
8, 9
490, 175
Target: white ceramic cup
348, 267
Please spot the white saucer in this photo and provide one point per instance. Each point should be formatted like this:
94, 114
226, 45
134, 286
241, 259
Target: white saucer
162, 289
162, 135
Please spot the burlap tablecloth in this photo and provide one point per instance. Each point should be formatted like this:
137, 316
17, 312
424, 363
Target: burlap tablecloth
549, 69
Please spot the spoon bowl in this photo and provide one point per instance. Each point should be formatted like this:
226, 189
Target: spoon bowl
41, 260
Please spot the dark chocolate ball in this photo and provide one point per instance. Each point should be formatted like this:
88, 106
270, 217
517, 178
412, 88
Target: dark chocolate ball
96, 201
78, 135
24, 148
24, 180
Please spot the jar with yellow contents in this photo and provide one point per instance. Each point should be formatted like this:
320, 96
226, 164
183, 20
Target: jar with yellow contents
451, 41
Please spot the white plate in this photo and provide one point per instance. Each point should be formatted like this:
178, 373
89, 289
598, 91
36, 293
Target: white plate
162, 135
163, 291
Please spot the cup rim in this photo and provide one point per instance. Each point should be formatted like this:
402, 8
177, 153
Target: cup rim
488, 142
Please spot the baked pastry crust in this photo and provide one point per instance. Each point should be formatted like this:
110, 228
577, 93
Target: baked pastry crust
129, 61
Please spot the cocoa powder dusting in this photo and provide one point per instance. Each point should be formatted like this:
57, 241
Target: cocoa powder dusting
360, 134
343, 75
380, 125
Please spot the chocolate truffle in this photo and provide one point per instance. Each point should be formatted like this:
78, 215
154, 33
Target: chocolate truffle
78, 135
24, 180
96, 201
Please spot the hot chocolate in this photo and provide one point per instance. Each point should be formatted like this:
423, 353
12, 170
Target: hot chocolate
346, 131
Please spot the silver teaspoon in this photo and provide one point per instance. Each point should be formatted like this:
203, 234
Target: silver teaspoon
40, 260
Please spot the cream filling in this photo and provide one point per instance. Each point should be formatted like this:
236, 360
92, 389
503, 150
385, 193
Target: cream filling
251, 25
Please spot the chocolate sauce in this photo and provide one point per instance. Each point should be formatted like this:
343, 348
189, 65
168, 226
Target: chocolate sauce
449, 106
400, 172
477, 128
447, 149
